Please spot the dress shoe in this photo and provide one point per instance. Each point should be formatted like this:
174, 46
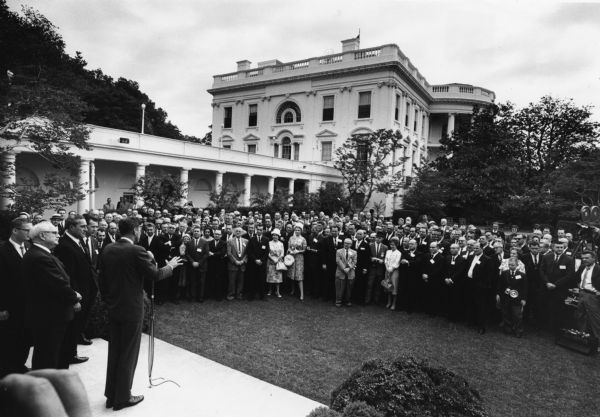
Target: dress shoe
109, 404
133, 400
78, 359
84, 341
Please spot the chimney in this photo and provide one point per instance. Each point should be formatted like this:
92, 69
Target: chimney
243, 65
352, 44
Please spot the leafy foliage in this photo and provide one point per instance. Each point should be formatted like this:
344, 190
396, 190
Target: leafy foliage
58, 191
366, 161
160, 191
226, 197
514, 164
408, 387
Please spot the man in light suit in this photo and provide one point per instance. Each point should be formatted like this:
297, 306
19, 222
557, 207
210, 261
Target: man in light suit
123, 267
236, 253
51, 303
345, 259
588, 309
557, 273
377, 269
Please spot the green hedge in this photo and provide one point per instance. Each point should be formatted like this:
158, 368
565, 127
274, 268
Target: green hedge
406, 387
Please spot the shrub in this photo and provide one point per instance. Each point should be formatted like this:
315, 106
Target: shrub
408, 387
361, 409
324, 412
97, 325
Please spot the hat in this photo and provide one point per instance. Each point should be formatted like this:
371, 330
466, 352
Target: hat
275, 232
55, 216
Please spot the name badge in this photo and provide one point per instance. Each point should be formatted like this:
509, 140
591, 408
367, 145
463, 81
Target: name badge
316, 240
168, 243
432, 261
96, 250
452, 262
562, 267
478, 262
518, 277
263, 247
362, 248
199, 250
412, 255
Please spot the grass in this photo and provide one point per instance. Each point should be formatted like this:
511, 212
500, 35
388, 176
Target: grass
312, 347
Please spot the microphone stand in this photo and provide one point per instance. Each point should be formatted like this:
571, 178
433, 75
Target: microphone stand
151, 380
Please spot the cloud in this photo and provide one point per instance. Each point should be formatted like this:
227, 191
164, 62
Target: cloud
568, 14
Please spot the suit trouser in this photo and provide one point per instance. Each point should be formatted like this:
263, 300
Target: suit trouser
588, 313
123, 352
49, 347
14, 346
476, 304
255, 281
236, 282
376, 275
360, 286
512, 315
343, 290
77, 326
555, 307
197, 283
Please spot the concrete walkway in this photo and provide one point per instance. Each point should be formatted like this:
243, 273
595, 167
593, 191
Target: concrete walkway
207, 388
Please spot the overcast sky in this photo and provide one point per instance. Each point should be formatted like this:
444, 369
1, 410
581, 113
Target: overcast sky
521, 50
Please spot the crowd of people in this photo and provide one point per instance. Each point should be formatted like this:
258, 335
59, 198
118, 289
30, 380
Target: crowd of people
51, 269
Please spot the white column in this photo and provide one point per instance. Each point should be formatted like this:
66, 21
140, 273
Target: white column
271, 186
184, 178
219, 181
450, 123
247, 189
8, 178
291, 186
420, 125
408, 160
84, 184
313, 186
92, 185
140, 171
402, 109
426, 135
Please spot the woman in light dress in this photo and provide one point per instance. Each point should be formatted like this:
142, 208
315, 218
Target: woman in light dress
514, 254
392, 263
276, 253
296, 248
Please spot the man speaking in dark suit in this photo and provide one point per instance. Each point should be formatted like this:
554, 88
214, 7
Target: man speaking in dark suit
52, 302
123, 267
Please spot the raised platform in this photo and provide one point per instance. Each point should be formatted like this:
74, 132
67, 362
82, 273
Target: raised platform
207, 388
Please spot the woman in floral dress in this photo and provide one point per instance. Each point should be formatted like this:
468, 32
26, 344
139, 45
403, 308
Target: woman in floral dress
276, 253
296, 248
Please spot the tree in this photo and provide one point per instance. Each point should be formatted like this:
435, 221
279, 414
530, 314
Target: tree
225, 197
206, 140
429, 194
36, 115
366, 162
160, 191
331, 197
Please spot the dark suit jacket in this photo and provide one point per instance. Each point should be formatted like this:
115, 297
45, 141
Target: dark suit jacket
435, 269
533, 271
12, 288
456, 272
561, 273
258, 250
123, 268
380, 267
50, 298
198, 253
483, 272
327, 250
363, 252
507, 283
93, 249
77, 264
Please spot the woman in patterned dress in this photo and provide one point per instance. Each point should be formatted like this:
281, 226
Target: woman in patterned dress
296, 248
276, 253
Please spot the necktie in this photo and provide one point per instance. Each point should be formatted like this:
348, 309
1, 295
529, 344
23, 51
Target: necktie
239, 246
22, 247
346, 254
377, 249
196, 243
535, 260
556, 259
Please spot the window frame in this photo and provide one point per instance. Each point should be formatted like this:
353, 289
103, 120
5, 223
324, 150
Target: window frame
227, 121
364, 110
325, 116
252, 116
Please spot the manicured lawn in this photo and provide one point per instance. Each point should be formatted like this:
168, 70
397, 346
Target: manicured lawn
311, 347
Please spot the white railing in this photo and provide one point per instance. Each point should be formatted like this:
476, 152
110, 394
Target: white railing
440, 88
331, 59
468, 90
367, 53
229, 77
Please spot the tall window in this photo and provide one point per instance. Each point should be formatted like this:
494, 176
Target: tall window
327, 108
286, 148
252, 114
406, 113
416, 118
364, 105
397, 109
296, 151
288, 112
326, 148
227, 112
252, 148
276, 150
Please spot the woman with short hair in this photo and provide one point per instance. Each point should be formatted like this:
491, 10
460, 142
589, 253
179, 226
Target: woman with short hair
276, 253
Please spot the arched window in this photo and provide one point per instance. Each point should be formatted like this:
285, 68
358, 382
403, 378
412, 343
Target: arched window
286, 148
288, 112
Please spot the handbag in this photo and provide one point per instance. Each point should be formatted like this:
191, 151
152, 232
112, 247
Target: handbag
387, 285
280, 266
